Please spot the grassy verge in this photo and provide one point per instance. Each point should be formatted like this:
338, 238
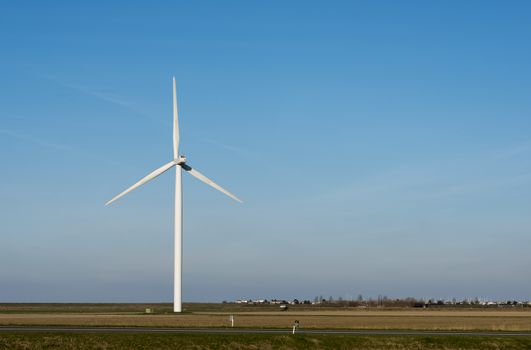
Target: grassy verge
111, 341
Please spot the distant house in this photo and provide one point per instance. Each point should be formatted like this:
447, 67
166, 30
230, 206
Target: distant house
243, 301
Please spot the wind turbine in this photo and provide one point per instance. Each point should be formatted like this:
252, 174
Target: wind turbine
179, 162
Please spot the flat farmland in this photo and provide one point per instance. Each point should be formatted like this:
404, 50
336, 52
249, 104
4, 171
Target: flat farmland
217, 315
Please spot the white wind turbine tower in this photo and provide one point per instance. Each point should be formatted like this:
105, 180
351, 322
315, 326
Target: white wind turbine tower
179, 162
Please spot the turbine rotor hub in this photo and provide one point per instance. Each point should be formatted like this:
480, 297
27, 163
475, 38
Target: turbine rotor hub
180, 160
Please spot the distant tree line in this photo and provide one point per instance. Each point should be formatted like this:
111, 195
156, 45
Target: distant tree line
384, 301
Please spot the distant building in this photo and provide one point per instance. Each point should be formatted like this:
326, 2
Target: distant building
243, 301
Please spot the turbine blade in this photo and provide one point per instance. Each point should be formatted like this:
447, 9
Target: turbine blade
147, 178
175, 123
206, 180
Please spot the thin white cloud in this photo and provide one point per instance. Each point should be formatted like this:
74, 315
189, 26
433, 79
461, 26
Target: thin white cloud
233, 149
37, 141
54, 145
104, 94
475, 173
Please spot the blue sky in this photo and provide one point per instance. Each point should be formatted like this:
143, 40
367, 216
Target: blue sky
381, 147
